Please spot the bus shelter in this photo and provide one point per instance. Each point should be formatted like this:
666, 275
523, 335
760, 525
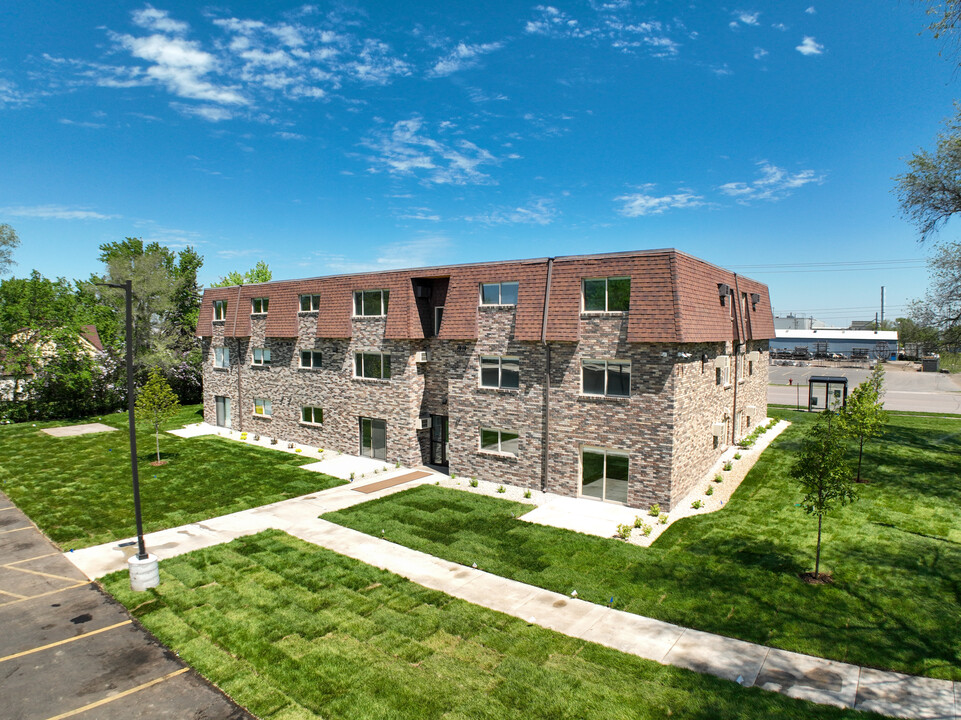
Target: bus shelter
827, 392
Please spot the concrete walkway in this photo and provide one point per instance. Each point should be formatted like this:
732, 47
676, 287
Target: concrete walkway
800, 676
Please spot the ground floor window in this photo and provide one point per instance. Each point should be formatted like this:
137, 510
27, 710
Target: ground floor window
505, 442
262, 407
604, 474
312, 415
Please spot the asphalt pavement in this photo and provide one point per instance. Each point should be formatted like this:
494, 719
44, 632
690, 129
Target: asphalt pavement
68, 650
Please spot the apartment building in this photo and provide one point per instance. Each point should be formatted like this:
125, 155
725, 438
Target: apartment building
619, 377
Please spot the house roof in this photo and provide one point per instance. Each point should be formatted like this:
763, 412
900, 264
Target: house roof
674, 298
90, 334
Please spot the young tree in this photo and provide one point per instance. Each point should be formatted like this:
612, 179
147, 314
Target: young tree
864, 417
259, 273
820, 471
156, 403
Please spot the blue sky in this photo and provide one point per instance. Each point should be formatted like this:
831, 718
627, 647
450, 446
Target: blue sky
330, 138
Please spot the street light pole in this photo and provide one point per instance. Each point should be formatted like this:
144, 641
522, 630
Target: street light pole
127, 287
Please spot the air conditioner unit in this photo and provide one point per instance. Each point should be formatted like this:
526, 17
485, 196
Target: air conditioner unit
754, 356
723, 290
718, 429
755, 299
722, 361
423, 423
422, 291
422, 356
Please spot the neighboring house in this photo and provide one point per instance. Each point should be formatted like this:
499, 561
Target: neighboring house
89, 344
620, 377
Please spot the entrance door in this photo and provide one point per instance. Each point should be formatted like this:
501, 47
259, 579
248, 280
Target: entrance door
438, 439
223, 411
604, 475
373, 438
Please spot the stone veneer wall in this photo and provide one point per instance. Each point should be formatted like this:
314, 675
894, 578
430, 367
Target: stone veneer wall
700, 402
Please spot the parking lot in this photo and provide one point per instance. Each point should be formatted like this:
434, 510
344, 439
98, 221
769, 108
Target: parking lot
69, 650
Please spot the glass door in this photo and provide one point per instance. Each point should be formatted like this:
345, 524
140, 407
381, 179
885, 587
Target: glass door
604, 475
223, 411
438, 439
373, 438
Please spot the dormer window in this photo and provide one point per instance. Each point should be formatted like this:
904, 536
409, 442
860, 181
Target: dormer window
309, 303
258, 306
502, 293
220, 309
607, 294
370, 303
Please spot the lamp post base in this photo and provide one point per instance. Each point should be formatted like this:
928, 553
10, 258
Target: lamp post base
144, 574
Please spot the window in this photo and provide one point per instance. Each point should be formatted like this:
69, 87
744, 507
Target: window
262, 407
258, 306
604, 475
221, 357
607, 294
503, 293
261, 356
722, 370
503, 442
311, 415
309, 303
220, 309
370, 303
606, 377
372, 365
310, 359
500, 372
438, 317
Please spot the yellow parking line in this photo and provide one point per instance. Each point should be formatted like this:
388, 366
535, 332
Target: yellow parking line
123, 694
34, 597
4, 532
64, 642
7, 592
11, 507
42, 574
39, 557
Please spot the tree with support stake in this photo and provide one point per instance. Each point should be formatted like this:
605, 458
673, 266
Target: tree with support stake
864, 417
156, 403
820, 471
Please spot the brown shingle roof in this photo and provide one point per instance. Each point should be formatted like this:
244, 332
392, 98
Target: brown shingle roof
674, 298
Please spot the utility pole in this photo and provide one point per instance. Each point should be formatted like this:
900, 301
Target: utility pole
882, 305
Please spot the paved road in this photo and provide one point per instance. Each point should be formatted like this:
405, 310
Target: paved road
924, 392
69, 650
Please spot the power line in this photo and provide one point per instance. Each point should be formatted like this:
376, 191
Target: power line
846, 263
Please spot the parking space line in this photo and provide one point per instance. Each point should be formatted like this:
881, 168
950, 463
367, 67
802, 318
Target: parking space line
7, 592
64, 642
118, 696
39, 557
12, 507
41, 574
4, 532
34, 597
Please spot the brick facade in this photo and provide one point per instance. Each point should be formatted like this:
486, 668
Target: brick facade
673, 333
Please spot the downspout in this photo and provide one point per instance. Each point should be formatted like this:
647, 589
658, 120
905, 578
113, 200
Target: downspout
240, 365
738, 320
545, 470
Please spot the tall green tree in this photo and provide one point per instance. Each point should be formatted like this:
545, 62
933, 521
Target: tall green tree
863, 417
259, 273
822, 475
9, 241
156, 403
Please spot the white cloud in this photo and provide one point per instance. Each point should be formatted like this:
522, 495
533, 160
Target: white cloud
643, 203
210, 113
614, 22
406, 149
809, 46
462, 57
10, 94
159, 21
747, 18
283, 135
759, 53
234, 253
419, 252
81, 123
811, 11
54, 212
774, 183
540, 211
779, 26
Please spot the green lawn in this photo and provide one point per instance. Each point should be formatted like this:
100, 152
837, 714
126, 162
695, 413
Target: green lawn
895, 554
78, 489
290, 630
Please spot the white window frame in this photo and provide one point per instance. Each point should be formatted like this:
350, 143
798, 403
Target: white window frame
605, 452
314, 307
220, 309
607, 294
500, 293
260, 356
607, 363
314, 411
500, 371
500, 441
221, 357
361, 353
384, 302
722, 364
264, 304
316, 356
266, 409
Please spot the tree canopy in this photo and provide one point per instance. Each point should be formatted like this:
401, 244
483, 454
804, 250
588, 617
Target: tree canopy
259, 273
9, 241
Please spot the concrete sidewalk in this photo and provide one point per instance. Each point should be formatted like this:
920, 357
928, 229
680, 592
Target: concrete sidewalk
800, 676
